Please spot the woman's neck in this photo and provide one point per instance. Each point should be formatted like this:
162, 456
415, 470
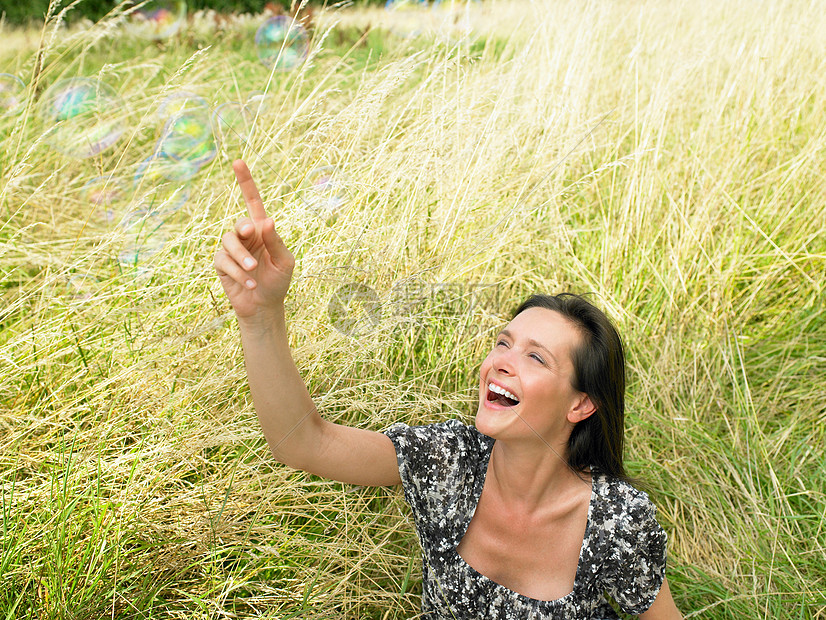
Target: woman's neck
531, 477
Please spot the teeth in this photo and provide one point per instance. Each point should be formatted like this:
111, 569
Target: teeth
498, 390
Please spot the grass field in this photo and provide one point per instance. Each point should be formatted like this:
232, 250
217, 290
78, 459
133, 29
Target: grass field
667, 157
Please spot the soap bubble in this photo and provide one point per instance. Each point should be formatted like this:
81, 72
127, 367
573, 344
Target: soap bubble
186, 142
187, 138
84, 115
453, 5
157, 19
157, 184
79, 286
107, 193
258, 103
405, 5
174, 169
178, 102
12, 94
282, 43
138, 252
324, 192
142, 223
146, 236
233, 126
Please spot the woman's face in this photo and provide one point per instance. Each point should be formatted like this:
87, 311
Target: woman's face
531, 360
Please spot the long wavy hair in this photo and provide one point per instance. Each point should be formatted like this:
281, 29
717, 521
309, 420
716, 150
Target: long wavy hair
599, 371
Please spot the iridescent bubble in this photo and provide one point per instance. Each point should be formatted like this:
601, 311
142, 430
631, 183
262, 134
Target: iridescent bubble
85, 116
187, 138
107, 193
324, 192
186, 135
12, 94
145, 237
158, 185
405, 5
142, 223
139, 251
176, 169
157, 19
282, 43
450, 5
233, 125
178, 102
258, 103
79, 286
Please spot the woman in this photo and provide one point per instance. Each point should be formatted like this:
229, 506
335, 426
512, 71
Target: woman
527, 515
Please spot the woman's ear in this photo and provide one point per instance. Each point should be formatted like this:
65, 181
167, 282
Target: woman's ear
582, 409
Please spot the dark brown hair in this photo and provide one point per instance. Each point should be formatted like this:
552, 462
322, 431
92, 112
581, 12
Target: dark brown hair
599, 372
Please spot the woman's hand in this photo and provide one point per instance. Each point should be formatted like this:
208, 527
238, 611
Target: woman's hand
255, 267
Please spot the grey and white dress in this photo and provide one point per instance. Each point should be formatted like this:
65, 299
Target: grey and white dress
442, 468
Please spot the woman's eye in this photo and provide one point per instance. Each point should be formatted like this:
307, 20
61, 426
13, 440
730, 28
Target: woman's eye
501, 342
537, 358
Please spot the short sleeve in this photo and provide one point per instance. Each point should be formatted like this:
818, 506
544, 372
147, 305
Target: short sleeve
436, 470
636, 564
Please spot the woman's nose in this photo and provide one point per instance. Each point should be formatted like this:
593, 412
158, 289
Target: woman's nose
503, 363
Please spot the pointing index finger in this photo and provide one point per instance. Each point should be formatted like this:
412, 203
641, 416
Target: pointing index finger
255, 206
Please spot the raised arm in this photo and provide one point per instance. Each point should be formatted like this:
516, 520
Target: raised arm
255, 268
663, 607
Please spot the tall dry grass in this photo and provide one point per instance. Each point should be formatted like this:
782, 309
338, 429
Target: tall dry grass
666, 157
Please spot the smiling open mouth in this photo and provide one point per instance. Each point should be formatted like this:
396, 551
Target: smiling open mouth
502, 396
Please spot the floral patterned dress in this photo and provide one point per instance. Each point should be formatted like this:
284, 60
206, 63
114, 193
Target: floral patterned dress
442, 468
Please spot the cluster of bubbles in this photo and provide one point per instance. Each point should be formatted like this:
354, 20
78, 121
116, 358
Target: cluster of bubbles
85, 117
139, 210
191, 135
281, 42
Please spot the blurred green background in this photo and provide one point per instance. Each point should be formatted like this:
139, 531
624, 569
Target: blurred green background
25, 13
